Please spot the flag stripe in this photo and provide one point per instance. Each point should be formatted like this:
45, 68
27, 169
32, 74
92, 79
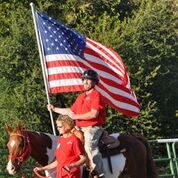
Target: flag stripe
62, 66
64, 76
62, 89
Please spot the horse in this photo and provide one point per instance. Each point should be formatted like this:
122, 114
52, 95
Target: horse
133, 157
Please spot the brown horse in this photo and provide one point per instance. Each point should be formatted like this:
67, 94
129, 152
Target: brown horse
133, 161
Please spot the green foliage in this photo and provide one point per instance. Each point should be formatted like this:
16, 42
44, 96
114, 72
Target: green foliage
21, 71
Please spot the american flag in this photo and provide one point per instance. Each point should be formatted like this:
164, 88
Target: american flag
68, 54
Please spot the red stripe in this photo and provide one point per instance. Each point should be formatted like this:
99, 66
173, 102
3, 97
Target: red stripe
114, 84
61, 89
64, 76
61, 63
110, 71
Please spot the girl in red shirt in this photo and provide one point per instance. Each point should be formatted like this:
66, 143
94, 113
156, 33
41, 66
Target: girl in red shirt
70, 154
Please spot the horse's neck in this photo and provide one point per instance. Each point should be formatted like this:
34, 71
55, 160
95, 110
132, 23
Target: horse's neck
43, 147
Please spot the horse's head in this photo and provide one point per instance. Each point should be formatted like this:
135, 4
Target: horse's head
19, 149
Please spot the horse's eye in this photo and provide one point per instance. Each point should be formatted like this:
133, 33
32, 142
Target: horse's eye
21, 145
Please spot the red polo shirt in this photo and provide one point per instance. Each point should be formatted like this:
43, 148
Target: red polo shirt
68, 151
84, 103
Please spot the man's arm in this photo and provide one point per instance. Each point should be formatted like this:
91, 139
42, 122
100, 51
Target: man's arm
63, 111
86, 116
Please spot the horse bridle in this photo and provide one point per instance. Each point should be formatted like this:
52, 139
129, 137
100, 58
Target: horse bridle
26, 148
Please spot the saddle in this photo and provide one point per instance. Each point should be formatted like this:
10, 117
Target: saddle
108, 142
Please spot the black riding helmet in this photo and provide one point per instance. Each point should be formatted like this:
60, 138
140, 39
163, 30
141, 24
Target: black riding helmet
90, 74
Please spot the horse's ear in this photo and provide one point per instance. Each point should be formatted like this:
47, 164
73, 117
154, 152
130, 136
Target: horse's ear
20, 126
9, 129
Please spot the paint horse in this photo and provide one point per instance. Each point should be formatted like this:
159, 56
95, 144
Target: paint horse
131, 159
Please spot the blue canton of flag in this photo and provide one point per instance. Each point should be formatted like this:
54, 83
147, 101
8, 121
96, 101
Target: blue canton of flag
57, 38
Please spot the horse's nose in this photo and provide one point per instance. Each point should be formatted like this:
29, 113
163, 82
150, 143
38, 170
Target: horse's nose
13, 168
10, 168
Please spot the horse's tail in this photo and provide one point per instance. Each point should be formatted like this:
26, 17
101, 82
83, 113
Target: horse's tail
151, 167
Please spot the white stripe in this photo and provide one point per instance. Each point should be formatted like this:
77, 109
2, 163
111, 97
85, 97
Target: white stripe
65, 82
70, 82
98, 51
61, 57
64, 69
107, 50
117, 103
108, 76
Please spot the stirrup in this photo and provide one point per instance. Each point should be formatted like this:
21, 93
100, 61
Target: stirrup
101, 175
95, 173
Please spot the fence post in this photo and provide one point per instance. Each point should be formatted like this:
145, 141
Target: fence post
171, 159
175, 157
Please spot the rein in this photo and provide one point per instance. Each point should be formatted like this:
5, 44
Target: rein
27, 148
55, 171
40, 176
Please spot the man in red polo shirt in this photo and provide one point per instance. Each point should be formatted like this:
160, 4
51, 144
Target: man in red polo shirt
89, 113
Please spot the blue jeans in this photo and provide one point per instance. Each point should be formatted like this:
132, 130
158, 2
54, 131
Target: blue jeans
92, 135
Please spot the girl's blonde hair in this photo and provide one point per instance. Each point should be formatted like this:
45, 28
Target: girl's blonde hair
66, 119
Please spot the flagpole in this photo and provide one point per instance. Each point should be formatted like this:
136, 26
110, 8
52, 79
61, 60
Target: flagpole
41, 53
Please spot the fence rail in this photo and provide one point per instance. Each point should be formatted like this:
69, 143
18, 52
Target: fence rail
170, 159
